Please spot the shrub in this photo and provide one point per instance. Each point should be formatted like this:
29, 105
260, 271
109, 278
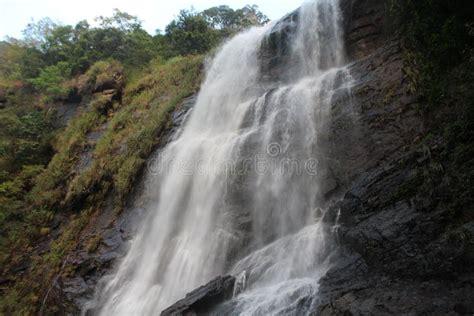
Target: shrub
52, 80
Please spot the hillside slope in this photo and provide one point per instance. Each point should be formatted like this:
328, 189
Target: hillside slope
98, 157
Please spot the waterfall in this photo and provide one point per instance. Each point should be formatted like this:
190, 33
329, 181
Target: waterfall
238, 191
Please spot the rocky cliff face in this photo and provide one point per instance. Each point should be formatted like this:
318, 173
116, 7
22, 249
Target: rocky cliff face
402, 250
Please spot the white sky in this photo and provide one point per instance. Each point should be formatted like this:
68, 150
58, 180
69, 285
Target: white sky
155, 14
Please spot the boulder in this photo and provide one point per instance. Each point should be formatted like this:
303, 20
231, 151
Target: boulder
203, 299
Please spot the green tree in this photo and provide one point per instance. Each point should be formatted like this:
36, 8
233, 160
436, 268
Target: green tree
31, 63
24, 139
59, 45
225, 18
190, 33
250, 15
120, 20
35, 33
9, 57
51, 80
220, 17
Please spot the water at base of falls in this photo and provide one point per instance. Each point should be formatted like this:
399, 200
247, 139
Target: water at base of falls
237, 191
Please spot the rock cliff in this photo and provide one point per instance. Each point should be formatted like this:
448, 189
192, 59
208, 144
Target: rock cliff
402, 248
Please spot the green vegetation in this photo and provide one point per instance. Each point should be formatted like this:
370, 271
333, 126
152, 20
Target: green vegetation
132, 131
439, 36
439, 45
24, 140
51, 54
127, 133
196, 33
49, 51
121, 84
51, 80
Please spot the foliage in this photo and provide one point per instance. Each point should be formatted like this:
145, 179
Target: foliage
50, 53
131, 134
190, 34
35, 33
437, 36
439, 44
24, 139
120, 37
51, 80
225, 18
102, 74
9, 55
128, 132
120, 20
18, 62
196, 33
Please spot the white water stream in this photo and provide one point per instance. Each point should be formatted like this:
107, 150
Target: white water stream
236, 192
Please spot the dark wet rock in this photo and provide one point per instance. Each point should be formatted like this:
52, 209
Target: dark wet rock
21, 267
275, 52
366, 26
179, 115
189, 102
204, 299
329, 186
75, 285
4, 282
464, 307
400, 249
65, 112
178, 118
85, 157
394, 259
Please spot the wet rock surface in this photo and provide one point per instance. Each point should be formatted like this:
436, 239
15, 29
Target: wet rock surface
276, 52
204, 299
66, 111
366, 26
400, 251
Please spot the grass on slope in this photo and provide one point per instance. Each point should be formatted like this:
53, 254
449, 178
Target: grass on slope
127, 131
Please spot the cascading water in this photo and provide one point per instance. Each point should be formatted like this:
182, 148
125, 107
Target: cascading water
237, 191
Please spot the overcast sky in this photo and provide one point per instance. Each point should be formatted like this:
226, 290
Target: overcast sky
156, 14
